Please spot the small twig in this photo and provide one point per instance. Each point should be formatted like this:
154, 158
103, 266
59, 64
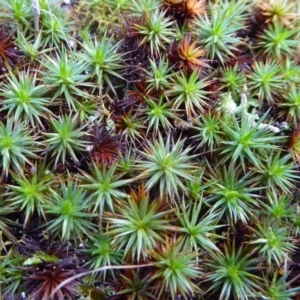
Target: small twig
36, 12
97, 270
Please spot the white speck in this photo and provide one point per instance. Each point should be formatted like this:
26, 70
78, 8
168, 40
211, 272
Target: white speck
33, 169
72, 43
284, 125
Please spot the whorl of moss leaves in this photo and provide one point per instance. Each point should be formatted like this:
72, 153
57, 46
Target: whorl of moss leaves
153, 144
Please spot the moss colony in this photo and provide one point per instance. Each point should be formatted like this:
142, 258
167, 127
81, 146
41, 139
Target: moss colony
157, 139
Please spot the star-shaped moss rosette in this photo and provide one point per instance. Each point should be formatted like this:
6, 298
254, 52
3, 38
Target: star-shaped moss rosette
154, 141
